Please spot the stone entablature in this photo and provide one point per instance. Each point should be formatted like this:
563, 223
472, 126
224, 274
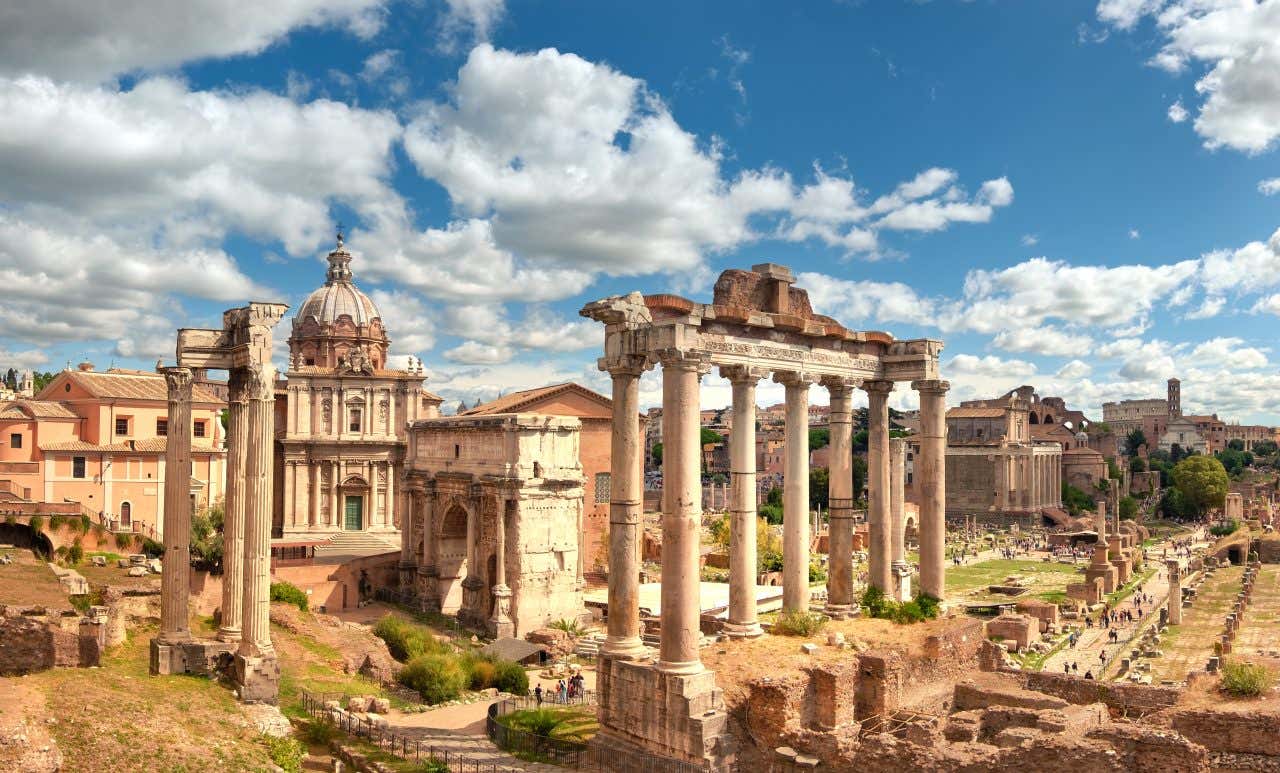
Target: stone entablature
495, 531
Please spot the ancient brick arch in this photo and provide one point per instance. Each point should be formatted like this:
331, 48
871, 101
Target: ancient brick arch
454, 524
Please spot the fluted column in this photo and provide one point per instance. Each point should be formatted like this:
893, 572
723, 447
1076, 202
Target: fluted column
931, 477
1035, 478
260, 386
795, 492
233, 510
840, 599
901, 570
626, 504
408, 536
681, 513
175, 580
500, 624
880, 530
742, 622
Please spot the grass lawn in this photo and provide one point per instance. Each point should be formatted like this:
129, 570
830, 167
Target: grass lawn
1045, 580
568, 723
28, 581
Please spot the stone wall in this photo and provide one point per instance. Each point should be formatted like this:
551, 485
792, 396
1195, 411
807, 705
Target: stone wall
1268, 547
33, 639
1251, 732
1130, 699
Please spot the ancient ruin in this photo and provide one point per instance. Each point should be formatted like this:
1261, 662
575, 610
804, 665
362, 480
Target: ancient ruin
243, 348
757, 325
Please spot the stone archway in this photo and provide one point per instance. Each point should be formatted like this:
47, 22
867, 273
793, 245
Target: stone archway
23, 536
452, 557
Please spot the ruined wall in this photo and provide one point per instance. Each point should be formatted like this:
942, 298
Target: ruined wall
32, 639
1131, 699
971, 483
1251, 732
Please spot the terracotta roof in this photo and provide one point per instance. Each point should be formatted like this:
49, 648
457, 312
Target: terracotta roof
975, 413
147, 446
1081, 451
516, 401
133, 385
37, 409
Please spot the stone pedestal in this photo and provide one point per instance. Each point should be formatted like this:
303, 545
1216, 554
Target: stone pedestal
648, 711
257, 678
500, 625
1103, 570
901, 581
470, 615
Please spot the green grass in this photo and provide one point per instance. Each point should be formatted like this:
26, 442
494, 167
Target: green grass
570, 723
1034, 661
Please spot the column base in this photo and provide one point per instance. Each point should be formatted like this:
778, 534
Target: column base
500, 625
203, 657
681, 667
257, 678
842, 611
229, 635
627, 648
749, 630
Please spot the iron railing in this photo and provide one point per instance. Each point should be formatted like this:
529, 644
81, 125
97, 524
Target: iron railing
557, 751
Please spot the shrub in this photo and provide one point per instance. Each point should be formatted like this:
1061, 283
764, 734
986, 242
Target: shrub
152, 548
86, 524
511, 678
430, 765
817, 572
75, 553
798, 622
319, 731
285, 752
11, 519
289, 594
712, 574
405, 640
571, 627
1222, 530
55, 522
922, 607
930, 605
37, 523
437, 678
908, 612
1246, 680
124, 541
482, 672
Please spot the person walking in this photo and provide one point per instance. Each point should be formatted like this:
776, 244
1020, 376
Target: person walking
537, 695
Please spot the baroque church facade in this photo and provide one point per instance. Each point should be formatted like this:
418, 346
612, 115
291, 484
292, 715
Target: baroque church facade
342, 448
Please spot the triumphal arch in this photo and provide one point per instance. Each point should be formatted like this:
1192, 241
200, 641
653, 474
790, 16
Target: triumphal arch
758, 325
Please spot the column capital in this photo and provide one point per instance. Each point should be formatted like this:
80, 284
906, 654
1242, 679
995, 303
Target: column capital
236, 388
931, 386
840, 384
794, 378
742, 374
877, 387
624, 365
178, 380
679, 359
260, 381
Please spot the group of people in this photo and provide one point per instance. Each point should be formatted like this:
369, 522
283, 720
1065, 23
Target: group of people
566, 690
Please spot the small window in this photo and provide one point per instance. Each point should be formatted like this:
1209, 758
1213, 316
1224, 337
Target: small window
15, 440
199, 429
603, 485
122, 425
162, 427
311, 360
355, 423
457, 451
77, 466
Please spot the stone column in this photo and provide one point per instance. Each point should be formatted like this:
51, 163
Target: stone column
408, 508
1175, 591
500, 624
931, 479
795, 493
840, 600
233, 510
256, 667
880, 530
175, 580
681, 513
626, 506
898, 518
742, 622
429, 569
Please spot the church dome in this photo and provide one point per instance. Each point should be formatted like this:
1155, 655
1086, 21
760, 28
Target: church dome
339, 296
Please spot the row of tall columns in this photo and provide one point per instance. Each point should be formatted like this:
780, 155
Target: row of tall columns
795, 492
879, 528
901, 570
742, 621
175, 581
841, 497
233, 511
930, 482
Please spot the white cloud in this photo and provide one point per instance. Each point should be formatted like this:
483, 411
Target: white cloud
476, 353
1073, 370
1135, 233
28, 358
855, 301
1250, 268
493, 338
467, 21
1238, 44
68, 39
1029, 240
1229, 353
1269, 187
1208, 308
1177, 113
1045, 340
406, 319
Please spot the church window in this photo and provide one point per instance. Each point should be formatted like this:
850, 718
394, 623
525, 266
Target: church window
354, 424
77, 466
15, 440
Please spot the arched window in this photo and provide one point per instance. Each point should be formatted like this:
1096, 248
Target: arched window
1034, 420
455, 523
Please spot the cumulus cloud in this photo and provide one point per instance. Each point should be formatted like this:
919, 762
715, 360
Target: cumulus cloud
494, 338
854, 301
1238, 46
1229, 353
1177, 113
1269, 187
467, 21
1045, 340
1029, 240
67, 39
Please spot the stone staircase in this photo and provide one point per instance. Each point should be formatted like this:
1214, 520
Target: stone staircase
354, 544
589, 646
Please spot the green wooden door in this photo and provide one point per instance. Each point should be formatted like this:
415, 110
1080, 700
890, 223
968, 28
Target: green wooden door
355, 512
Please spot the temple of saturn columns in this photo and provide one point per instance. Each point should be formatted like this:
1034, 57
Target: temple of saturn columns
757, 326
243, 348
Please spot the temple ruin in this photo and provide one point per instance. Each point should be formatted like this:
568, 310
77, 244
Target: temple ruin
757, 326
243, 348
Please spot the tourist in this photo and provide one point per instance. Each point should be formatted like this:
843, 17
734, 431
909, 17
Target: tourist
1088, 674
537, 695
563, 691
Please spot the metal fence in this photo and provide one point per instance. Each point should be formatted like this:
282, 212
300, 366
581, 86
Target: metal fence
557, 751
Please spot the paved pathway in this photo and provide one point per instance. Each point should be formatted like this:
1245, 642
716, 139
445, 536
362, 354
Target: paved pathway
461, 730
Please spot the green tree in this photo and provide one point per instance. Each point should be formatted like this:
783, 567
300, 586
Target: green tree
774, 497
819, 488
1234, 460
818, 438
1128, 508
656, 453
1202, 481
710, 437
1174, 506
1133, 441
1137, 465
1236, 444
1075, 500
859, 476
1264, 448
720, 531
1113, 469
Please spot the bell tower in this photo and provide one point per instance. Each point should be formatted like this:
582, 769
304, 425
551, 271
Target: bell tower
1175, 398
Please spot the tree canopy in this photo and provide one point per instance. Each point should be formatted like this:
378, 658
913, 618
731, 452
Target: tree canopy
1202, 481
1134, 440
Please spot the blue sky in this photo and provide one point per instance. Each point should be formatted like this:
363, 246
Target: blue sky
1080, 196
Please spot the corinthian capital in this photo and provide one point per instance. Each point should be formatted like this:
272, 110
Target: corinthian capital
178, 381
680, 359
737, 374
931, 386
